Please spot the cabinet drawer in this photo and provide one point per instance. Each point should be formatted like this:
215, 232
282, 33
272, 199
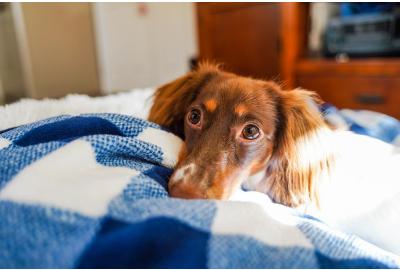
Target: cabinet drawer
380, 94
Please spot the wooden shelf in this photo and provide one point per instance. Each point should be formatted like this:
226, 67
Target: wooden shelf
366, 67
359, 83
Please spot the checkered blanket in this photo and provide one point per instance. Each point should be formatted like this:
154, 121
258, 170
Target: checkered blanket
89, 191
370, 123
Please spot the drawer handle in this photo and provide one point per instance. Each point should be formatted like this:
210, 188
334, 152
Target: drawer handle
370, 99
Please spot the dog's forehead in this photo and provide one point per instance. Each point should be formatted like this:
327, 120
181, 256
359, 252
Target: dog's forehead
239, 99
234, 90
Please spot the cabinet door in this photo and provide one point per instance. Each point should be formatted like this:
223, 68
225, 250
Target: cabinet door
242, 36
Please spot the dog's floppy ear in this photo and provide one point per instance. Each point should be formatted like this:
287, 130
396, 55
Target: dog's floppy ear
172, 99
301, 155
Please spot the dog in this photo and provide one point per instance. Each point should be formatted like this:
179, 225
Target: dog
245, 132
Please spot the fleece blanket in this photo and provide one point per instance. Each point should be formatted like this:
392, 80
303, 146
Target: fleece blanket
89, 191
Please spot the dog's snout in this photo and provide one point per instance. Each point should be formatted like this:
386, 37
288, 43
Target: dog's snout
182, 184
202, 179
183, 172
186, 191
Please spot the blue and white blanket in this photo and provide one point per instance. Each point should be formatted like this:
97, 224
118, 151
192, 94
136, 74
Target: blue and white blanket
365, 122
89, 191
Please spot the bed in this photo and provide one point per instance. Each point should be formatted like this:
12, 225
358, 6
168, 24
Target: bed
86, 188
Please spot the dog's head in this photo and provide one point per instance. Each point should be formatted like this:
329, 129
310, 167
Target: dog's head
235, 127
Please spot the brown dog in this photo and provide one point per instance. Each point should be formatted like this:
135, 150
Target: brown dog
236, 127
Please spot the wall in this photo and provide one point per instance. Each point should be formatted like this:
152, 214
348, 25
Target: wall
2, 101
11, 77
58, 48
142, 45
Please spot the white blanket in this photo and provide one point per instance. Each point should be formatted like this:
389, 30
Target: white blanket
136, 102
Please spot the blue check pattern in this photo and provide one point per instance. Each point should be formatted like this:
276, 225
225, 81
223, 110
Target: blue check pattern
142, 227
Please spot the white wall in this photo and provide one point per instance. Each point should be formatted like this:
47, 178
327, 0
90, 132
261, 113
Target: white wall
11, 76
1, 92
47, 50
142, 50
57, 47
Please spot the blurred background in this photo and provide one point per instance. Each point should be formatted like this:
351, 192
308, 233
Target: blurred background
347, 52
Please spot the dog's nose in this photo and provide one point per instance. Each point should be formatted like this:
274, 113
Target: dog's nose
186, 191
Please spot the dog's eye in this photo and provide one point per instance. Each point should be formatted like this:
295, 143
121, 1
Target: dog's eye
251, 132
194, 116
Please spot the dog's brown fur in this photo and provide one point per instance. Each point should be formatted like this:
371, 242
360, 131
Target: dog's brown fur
215, 160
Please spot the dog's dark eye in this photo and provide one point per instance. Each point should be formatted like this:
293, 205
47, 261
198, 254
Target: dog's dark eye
194, 116
251, 132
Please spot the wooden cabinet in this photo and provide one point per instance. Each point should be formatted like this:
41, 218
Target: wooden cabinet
362, 83
369, 84
242, 36
269, 40
357, 92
